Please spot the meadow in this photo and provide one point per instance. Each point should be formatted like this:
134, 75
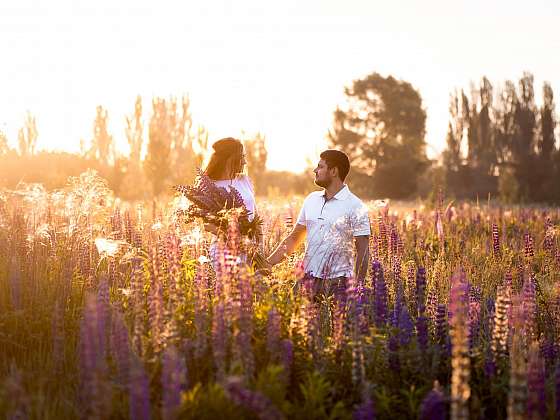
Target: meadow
112, 310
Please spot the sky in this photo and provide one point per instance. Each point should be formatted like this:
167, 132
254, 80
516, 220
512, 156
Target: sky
275, 67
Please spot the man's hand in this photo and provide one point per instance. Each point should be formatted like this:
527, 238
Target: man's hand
288, 245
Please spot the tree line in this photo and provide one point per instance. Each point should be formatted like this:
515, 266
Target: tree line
499, 142
165, 149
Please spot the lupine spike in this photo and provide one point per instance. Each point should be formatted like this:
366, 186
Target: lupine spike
460, 362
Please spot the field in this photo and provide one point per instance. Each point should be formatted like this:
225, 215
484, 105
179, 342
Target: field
112, 310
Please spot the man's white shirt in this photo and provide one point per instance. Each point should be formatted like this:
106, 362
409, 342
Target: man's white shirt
331, 226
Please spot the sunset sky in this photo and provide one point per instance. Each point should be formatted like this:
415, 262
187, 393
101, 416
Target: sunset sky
278, 67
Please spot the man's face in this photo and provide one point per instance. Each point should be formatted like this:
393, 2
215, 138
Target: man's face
324, 175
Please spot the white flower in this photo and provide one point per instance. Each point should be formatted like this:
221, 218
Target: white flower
108, 247
202, 259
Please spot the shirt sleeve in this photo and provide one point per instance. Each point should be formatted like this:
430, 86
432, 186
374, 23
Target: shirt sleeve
301, 216
361, 221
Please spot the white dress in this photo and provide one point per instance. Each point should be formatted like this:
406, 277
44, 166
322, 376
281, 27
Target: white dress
242, 184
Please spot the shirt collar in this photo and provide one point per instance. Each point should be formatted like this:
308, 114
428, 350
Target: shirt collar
343, 194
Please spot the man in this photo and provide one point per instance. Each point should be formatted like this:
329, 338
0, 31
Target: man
334, 222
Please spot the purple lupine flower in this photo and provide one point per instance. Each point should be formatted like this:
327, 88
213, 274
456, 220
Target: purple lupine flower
433, 405
93, 364
508, 279
139, 391
103, 315
549, 353
173, 381
120, 348
156, 313
420, 304
474, 323
411, 288
529, 304
441, 325
201, 313
219, 340
382, 238
398, 306
273, 334
251, 400
529, 248
496, 240
245, 323
405, 327
287, 357
460, 362
380, 294
422, 332
393, 240
536, 400
365, 411
489, 363
548, 244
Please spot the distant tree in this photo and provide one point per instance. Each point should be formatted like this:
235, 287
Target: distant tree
134, 129
256, 153
505, 124
523, 146
382, 130
4, 147
485, 151
546, 185
188, 148
161, 133
102, 147
27, 136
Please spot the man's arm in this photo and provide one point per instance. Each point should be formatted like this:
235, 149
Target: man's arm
288, 245
362, 256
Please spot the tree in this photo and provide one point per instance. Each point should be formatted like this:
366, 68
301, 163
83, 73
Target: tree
187, 148
102, 142
4, 147
133, 131
523, 145
382, 131
544, 189
256, 155
27, 136
158, 160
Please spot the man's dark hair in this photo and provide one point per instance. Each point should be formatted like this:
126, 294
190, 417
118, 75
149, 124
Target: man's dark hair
337, 159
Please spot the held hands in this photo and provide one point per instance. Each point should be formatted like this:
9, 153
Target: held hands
266, 270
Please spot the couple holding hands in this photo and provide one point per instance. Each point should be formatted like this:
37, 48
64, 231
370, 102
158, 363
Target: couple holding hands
333, 221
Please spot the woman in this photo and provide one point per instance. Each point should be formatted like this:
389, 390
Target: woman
225, 169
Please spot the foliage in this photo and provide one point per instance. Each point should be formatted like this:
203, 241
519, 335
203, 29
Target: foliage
382, 131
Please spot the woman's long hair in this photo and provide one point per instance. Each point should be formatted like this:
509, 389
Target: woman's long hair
225, 149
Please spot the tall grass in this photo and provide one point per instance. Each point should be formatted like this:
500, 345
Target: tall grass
111, 311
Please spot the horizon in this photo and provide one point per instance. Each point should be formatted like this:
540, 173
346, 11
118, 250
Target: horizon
254, 67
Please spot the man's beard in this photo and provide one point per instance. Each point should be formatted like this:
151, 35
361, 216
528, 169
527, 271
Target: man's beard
323, 183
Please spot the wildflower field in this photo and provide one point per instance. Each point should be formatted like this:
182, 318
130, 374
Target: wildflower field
112, 310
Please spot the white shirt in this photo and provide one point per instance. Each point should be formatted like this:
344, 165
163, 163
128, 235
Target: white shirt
242, 184
331, 226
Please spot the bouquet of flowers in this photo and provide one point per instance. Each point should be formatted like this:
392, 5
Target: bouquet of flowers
214, 205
